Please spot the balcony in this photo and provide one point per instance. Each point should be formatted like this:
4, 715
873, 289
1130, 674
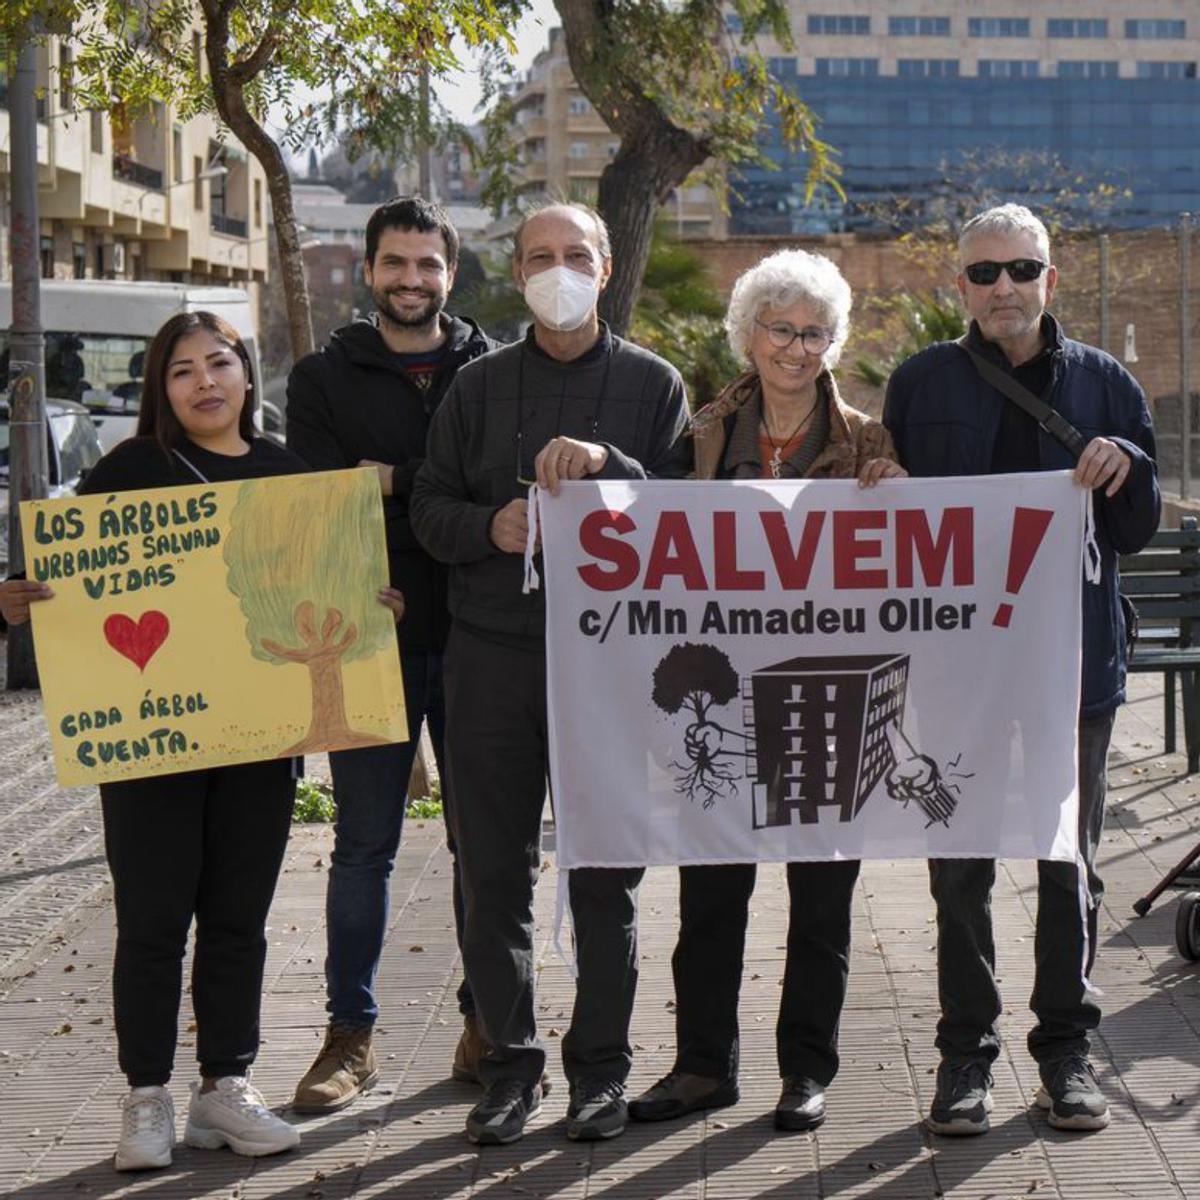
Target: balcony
233, 226
126, 168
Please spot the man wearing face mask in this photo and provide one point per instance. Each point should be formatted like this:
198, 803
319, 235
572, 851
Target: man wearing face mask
571, 400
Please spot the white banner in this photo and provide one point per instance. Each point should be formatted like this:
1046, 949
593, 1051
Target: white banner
809, 670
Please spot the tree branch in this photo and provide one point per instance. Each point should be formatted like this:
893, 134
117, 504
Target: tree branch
247, 68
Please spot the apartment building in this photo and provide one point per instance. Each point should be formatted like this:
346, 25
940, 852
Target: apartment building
917, 94
563, 145
153, 198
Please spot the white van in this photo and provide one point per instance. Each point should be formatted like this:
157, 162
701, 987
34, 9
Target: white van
97, 333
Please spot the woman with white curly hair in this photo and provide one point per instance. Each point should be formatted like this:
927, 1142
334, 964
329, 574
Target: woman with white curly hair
789, 317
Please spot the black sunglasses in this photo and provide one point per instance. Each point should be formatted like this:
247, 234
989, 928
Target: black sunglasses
1020, 270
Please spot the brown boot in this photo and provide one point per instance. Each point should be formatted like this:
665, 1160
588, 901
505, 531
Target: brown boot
470, 1049
345, 1067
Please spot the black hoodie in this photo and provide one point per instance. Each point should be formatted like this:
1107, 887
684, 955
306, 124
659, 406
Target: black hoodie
353, 401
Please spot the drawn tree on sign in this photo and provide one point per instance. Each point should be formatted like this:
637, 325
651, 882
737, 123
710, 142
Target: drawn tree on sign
698, 677
307, 588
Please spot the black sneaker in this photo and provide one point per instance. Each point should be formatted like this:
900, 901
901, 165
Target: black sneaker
499, 1118
963, 1099
597, 1109
1071, 1094
677, 1094
801, 1105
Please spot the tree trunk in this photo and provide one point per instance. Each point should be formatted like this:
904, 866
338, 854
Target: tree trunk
655, 155
229, 95
329, 727
632, 187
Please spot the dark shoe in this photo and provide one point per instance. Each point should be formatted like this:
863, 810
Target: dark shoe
470, 1049
344, 1068
1071, 1094
597, 1109
801, 1104
677, 1094
499, 1118
963, 1099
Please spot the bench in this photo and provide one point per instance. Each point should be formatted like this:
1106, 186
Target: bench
1163, 583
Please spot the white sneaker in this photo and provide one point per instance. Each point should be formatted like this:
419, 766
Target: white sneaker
234, 1114
147, 1130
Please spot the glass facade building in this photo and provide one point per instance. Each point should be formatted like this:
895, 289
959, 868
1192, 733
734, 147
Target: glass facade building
907, 143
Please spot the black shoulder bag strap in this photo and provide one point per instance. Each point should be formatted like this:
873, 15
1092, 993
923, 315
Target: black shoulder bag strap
1052, 421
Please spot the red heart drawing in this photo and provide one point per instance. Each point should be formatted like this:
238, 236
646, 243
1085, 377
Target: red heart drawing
137, 642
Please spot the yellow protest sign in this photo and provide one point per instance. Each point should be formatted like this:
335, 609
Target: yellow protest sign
196, 626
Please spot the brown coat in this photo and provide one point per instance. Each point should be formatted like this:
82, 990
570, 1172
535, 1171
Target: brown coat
854, 438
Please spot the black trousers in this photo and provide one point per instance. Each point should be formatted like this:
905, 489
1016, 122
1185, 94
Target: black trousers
496, 755
202, 844
707, 965
966, 957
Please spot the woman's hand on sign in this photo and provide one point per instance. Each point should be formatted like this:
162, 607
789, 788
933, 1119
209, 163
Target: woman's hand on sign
383, 470
392, 598
876, 469
16, 595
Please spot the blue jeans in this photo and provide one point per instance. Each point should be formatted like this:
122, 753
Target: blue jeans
370, 787
962, 888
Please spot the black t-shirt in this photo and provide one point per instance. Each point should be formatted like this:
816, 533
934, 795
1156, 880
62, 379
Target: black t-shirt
141, 462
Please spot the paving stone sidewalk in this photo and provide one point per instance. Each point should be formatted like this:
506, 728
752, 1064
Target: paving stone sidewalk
59, 1088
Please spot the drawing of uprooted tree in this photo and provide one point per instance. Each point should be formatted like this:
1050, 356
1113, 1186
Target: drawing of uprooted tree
700, 677
307, 582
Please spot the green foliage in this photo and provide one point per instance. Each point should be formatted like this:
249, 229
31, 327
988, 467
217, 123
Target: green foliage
367, 57
278, 557
314, 803
680, 315
699, 65
426, 808
912, 321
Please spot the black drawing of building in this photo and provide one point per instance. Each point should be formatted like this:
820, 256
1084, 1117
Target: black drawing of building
819, 727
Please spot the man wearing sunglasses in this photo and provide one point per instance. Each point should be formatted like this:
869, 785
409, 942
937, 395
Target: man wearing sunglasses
570, 400
948, 419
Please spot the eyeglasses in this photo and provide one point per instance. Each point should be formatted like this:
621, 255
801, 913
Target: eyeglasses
781, 335
1020, 270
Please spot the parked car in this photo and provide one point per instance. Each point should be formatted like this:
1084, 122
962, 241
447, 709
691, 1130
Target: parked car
73, 449
97, 334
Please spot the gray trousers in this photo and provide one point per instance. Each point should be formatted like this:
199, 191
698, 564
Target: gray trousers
496, 758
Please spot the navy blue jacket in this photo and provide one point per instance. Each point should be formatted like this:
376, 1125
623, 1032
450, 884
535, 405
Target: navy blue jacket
944, 418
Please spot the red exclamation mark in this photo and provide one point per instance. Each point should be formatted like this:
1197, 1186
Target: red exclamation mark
1029, 527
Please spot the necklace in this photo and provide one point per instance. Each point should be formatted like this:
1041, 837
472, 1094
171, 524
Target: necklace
775, 465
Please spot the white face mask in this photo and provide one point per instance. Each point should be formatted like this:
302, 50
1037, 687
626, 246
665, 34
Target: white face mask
561, 298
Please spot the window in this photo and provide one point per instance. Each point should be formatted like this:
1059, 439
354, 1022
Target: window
176, 155
1090, 69
198, 52
577, 106
919, 26
258, 207
79, 260
1008, 68
66, 77
782, 68
1077, 27
96, 120
927, 68
997, 26
1155, 30
197, 183
46, 252
580, 149
839, 26
853, 68
1166, 70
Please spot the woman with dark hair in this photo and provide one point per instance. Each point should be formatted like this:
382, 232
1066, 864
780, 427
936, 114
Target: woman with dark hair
204, 844
788, 318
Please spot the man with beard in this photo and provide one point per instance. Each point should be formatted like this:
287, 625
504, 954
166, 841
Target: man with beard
367, 399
